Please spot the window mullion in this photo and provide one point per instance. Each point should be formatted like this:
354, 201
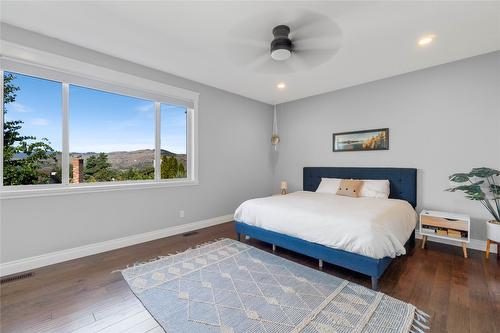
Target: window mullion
65, 134
157, 162
1, 136
189, 143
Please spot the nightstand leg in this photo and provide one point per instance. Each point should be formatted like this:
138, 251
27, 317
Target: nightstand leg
424, 239
464, 248
488, 243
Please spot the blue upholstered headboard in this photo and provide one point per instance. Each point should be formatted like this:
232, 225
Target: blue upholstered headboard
403, 180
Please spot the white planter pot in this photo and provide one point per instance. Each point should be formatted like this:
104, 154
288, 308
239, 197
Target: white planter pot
493, 231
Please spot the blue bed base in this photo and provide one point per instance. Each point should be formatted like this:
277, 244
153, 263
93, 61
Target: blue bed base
403, 182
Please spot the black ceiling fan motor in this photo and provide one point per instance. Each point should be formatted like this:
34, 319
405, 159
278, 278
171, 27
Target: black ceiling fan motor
281, 40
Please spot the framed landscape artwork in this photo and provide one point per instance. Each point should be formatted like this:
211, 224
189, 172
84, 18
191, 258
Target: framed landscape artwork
374, 139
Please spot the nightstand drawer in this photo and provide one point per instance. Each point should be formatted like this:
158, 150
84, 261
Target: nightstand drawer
444, 222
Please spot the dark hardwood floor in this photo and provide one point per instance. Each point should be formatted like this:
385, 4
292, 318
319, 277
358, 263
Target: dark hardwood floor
461, 295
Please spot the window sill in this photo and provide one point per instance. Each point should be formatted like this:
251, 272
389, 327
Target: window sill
28, 192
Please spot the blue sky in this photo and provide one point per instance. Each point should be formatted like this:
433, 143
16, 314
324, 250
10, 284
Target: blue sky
38, 104
99, 121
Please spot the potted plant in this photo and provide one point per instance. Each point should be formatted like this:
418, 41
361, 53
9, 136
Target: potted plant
479, 184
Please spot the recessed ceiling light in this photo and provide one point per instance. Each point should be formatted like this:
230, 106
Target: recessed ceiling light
426, 40
281, 85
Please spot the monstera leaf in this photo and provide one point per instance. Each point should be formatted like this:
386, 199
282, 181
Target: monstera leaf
459, 177
483, 172
495, 189
473, 191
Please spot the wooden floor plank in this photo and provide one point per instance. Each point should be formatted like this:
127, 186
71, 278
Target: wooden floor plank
156, 330
113, 316
459, 305
127, 323
82, 295
479, 306
143, 327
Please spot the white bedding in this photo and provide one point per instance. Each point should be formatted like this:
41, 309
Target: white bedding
372, 227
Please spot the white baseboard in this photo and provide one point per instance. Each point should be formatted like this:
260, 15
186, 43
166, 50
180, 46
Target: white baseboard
475, 244
21, 265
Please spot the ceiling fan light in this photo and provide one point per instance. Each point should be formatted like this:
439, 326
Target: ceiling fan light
281, 54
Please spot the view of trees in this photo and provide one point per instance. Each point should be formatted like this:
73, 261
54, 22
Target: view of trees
24, 157
171, 168
28, 160
98, 169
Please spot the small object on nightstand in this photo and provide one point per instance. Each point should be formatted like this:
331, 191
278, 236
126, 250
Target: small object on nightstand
443, 225
442, 232
284, 187
454, 233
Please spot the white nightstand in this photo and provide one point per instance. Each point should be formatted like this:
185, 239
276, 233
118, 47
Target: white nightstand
444, 225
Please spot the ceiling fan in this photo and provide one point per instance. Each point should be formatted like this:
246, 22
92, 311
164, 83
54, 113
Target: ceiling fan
305, 40
281, 46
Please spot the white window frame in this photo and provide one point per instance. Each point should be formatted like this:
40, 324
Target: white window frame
61, 69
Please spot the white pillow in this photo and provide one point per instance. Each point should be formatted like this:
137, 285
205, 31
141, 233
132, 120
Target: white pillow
329, 185
375, 188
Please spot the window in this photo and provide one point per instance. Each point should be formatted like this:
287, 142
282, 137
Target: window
32, 130
112, 137
66, 131
173, 141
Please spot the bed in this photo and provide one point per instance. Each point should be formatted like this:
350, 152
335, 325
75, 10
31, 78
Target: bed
380, 231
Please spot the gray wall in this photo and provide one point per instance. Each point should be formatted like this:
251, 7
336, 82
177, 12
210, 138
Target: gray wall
442, 120
234, 165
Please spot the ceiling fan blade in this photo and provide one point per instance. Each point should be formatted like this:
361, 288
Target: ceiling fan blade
307, 19
247, 53
312, 52
307, 59
333, 42
328, 30
256, 28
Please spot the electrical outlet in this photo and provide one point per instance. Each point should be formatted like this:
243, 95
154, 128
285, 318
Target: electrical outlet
181, 213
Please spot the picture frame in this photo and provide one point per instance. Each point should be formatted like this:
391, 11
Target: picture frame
365, 140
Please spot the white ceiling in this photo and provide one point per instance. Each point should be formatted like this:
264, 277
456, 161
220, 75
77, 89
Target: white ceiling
198, 40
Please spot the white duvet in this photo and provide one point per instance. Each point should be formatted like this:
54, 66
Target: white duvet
371, 227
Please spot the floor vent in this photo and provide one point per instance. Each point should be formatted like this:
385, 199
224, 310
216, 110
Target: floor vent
191, 233
17, 277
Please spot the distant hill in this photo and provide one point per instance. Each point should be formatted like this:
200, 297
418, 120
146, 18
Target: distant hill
122, 160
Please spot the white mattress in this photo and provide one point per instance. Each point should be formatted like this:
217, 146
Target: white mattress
372, 227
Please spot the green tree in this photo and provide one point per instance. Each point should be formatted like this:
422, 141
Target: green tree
98, 169
23, 155
168, 167
147, 172
136, 174
181, 171
171, 168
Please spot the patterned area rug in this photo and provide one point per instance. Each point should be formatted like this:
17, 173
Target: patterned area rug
227, 286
